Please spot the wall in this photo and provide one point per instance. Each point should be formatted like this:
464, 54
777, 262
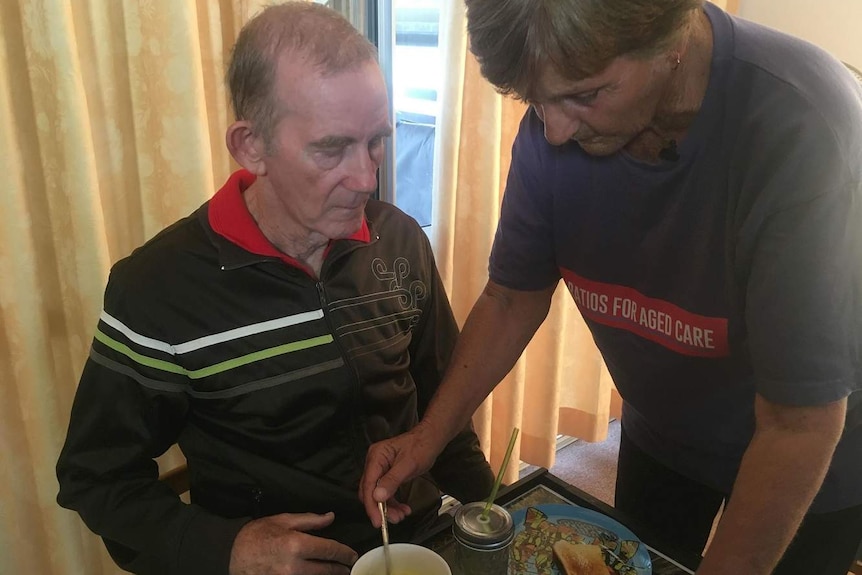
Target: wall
835, 25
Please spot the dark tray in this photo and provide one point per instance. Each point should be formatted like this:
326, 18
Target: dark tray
541, 487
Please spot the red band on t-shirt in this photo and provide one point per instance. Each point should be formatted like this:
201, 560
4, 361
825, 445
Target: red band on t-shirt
654, 319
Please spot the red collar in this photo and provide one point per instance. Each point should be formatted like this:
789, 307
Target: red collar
230, 218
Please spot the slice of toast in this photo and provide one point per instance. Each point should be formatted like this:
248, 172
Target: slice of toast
580, 559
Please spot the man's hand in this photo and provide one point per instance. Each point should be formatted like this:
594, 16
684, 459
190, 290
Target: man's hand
278, 545
389, 464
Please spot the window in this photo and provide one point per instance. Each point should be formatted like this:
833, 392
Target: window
417, 74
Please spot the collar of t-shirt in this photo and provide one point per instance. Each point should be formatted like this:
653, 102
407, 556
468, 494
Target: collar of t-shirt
229, 217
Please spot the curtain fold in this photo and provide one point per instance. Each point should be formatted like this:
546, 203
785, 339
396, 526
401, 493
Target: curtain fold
113, 116
559, 385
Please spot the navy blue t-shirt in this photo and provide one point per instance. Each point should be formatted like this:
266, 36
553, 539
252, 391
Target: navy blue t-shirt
735, 270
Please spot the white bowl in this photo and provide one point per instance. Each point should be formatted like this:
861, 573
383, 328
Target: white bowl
407, 559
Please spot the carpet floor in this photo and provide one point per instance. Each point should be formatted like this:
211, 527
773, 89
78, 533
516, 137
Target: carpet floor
591, 467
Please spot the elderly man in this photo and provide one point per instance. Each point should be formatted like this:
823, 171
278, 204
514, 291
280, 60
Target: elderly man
274, 334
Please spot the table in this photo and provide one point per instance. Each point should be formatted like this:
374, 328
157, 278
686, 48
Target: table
542, 487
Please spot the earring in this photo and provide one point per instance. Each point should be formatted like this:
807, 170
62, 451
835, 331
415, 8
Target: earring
676, 64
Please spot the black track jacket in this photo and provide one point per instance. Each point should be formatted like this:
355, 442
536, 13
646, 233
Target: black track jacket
272, 382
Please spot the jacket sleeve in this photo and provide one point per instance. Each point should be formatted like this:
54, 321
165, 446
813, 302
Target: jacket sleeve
126, 412
461, 470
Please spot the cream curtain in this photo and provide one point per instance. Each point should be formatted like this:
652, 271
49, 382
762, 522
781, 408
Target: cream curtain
560, 384
731, 6
112, 115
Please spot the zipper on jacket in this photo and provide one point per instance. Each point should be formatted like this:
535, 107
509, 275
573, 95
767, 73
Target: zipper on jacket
256, 502
357, 445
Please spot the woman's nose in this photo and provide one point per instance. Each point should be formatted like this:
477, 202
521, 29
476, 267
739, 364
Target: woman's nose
559, 125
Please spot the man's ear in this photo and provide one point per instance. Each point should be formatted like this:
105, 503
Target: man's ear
246, 147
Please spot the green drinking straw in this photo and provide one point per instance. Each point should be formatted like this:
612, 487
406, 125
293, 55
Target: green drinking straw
484, 515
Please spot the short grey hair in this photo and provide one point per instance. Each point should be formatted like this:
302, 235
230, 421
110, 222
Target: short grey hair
308, 30
514, 39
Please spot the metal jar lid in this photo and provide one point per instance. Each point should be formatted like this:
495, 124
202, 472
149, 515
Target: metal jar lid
493, 531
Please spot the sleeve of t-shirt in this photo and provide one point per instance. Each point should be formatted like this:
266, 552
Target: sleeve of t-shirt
804, 253
802, 300
522, 256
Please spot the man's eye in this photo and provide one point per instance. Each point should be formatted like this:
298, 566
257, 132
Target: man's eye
376, 149
331, 152
328, 158
378, 141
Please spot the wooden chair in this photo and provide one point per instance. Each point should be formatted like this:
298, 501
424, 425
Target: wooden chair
177, 479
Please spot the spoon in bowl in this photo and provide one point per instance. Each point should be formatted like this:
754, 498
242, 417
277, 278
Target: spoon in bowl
387, 559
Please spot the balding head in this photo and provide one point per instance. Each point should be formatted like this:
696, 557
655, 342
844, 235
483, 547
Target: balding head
309, 32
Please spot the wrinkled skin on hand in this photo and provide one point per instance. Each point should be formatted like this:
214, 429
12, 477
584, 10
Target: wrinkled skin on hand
279, 545
389, 464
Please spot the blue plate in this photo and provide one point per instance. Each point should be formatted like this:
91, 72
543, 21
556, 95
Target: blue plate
537, 528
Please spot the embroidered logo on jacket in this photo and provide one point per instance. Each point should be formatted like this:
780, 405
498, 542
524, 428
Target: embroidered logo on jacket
382, 320
410, 296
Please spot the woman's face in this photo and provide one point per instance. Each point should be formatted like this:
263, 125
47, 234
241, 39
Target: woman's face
604, 112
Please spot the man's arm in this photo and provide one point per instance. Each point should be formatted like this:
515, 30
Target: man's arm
781, 472
497, 330
107, 474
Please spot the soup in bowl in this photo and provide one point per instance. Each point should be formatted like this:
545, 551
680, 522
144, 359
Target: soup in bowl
407, 559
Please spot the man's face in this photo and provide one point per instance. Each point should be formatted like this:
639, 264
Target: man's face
604, 112
326, 147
